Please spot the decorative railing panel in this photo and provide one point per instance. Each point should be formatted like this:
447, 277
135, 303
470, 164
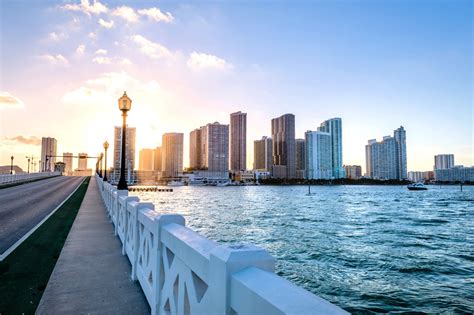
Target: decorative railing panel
182, 272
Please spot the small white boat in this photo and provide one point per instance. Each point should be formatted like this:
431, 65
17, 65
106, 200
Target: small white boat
417, 186
175, 183
223, 184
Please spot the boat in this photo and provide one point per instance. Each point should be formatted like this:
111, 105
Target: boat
175, 183
417, 186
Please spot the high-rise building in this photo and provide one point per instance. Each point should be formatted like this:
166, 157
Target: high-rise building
284, 147
387, 159
157, 159
443, 161
318, 155
172, 155
238, 141
456, 173
48, 153
82, 163
195, 149
400, 137
263, 154
129, 149
146, 161
353, 171
215, 147
300, 158
67, 160
334, 127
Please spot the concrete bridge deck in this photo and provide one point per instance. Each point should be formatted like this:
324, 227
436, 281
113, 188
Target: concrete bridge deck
91, 276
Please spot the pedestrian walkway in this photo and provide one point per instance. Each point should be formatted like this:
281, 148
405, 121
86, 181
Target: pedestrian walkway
91, 276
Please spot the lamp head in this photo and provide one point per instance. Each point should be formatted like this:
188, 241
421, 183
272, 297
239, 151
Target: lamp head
124, 103
106, 145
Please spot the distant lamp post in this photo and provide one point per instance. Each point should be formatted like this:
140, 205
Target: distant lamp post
11, 167
125, 104
106, 146
100, 165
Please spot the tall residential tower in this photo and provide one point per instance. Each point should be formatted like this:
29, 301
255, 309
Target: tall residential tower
284, 147
238, 141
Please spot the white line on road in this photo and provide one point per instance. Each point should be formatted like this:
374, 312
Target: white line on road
21, 240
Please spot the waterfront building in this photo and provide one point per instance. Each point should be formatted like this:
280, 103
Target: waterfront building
353, 171
318, 155
387, 159
443, 161
157, 159
238, 141
146, 160
263, 154
131, 133
300, 158
417, 176
457, 173
196, 160
82, 163
172, 155
48, 153
215, 147
333, 126
284, 147
68, 164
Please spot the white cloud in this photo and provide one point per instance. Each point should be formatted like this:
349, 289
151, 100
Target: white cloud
200, 61
55, 59
80, 50
9, 101
92, 35
126, 13
106, 24
87, 8
157, 15
101, 52
151, 49
57, 36
102, 60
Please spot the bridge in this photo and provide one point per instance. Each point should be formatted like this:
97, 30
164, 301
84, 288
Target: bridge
121, 256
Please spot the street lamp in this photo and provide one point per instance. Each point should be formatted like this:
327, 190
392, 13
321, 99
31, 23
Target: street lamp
11, 167
100, 165
106, 146
125, 104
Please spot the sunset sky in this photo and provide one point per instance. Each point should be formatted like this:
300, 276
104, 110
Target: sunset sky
376, 64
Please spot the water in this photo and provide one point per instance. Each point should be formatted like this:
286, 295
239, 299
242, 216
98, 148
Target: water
364, 248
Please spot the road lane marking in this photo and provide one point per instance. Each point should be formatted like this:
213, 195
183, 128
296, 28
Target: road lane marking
21, 240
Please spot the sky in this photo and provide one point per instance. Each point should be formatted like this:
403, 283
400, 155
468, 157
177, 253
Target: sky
376, 64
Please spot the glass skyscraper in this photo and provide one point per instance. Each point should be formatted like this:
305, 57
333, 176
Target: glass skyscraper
333, 126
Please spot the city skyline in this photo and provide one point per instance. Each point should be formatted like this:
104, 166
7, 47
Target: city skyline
93, 53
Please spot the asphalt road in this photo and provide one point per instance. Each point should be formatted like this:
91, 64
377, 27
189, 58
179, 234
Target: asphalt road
23, 207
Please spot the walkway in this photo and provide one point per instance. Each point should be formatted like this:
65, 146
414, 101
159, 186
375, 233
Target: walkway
91, 276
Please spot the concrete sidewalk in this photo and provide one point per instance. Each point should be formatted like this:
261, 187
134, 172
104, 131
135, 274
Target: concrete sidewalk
91, 276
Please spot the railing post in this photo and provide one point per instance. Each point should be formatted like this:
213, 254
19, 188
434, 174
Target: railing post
226, 260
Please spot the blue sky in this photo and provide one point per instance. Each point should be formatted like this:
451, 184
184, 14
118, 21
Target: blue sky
375, 64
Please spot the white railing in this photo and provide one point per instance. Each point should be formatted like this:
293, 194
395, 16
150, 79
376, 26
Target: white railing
182, 272
14, 178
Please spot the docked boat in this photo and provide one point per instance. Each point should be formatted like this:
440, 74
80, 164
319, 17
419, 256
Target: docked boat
417, 186
175, 183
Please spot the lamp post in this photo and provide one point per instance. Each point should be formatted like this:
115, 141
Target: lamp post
125, 104
100, 165
106, 146
11, 166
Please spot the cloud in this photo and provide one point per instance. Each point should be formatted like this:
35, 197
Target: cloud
80, 50
101, 52
102, 60
25, 140
200, 61
87, 8
55, 59
157, 15
107, 60
9, 101
92, 35
106, 24
57, 36
126, 13
151, 49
